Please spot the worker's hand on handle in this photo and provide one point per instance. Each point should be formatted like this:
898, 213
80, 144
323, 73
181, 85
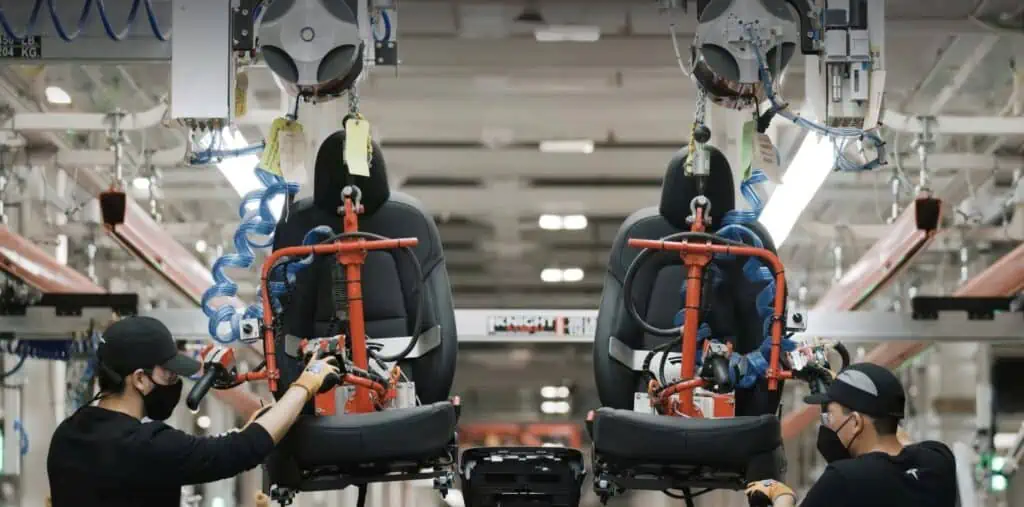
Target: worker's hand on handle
280, 416
320, 375
770, 493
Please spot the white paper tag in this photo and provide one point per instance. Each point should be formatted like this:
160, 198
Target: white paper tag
292, 154
357, 146
765, 158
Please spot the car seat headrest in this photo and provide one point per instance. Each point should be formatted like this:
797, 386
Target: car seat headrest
678, 189
331, 175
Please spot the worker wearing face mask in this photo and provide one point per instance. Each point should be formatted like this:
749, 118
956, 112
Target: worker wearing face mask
105, 455
868, 461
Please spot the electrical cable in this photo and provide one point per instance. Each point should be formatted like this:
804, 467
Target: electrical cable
83, 20
843, 134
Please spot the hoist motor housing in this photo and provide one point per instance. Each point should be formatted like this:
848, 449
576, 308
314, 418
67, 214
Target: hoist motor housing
315, 48
724, 60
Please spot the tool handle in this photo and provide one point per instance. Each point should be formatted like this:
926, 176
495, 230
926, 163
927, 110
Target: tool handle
202, 386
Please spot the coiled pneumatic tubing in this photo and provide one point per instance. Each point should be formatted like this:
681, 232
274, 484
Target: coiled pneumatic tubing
257, 220
83, 21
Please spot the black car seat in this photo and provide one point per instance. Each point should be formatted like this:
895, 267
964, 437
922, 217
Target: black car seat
729, 450
327, 452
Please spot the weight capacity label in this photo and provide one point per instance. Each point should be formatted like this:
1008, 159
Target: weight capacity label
29, 48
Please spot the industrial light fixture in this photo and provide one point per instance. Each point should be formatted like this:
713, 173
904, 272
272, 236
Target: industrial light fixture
550, 222
239, 171
556, 275
141, 183
567, 33
555, 392
57, 95
806, 173
555, 407
201, 246
580, 146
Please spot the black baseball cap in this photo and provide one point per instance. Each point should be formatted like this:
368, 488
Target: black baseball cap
866, 388
142, 343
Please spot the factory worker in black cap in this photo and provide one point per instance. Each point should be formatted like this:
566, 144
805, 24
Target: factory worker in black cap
868, 463
105, 455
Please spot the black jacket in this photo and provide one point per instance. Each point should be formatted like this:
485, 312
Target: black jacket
923, 475
99, 457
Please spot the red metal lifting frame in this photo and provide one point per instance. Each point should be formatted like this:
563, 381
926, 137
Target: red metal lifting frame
696, 256
350, 253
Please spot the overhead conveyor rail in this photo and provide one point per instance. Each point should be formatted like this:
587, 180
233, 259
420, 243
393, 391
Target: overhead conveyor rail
1004, 278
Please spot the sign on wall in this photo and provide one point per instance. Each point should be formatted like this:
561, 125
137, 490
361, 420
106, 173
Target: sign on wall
504, 325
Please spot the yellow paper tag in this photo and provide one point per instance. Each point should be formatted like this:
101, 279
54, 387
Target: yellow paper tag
292, 153
357, 147
765, 158
241, 94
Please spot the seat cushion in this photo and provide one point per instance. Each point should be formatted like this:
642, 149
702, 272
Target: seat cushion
406, 434
649, 439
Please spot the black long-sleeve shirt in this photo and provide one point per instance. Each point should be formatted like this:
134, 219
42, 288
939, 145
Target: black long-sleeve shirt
100, 457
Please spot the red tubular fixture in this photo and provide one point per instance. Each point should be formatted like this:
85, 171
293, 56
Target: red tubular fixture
27, 262
695, 256
1004, 278
144, 238
351, 253
887, 258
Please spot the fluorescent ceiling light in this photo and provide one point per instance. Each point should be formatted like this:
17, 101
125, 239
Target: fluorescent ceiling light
572, 275
57, 95
551, 275
141, 183
555, 275
810, 167
567, 33
241, 171
555, 407
550, 222
582, 146
551, 392
574, 222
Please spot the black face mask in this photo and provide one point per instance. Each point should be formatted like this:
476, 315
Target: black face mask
160, 402
829, 444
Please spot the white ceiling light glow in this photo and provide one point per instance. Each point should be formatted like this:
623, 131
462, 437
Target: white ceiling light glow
240, 171
810, 167
582, 146
567, 33
551, 275
555, 407
141, 183
556, 275
57, 95
574, 222
550, 222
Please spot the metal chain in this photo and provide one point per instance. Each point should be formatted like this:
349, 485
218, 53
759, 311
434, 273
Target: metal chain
353, 100
698, 119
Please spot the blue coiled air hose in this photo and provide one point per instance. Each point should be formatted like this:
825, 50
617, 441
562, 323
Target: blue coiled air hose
83, 21
257, 219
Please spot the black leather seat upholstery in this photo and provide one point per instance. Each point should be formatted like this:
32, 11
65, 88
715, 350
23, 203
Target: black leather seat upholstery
678, 451
731, 310
390, 300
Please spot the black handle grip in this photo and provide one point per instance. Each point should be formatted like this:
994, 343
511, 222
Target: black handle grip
844, 354
202, 386
758, 499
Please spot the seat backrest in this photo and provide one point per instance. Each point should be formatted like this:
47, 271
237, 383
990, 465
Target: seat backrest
389, 280
656, 288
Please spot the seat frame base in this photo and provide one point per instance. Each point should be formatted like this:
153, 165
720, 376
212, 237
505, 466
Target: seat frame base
522, 476
443, 474
612, 480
